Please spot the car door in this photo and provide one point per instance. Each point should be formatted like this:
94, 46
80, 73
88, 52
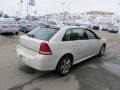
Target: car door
81, 45
76, 41
93, 42
69, 45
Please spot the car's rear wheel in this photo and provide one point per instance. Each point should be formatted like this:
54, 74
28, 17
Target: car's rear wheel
64, 65
17, 33
102, 50
24, 30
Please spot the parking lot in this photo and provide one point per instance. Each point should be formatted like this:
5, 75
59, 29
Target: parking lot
97, 73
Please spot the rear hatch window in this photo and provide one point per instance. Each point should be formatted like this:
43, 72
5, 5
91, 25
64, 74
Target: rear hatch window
8, 22
43, 33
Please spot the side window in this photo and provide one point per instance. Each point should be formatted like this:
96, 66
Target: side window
74, 34
77, 34
90, 34
67, 36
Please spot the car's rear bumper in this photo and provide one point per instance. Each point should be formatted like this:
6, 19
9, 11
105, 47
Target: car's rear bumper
35, 60
113, 31
7, 30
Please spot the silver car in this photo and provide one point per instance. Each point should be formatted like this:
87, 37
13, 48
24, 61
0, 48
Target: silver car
27, 25
8, 25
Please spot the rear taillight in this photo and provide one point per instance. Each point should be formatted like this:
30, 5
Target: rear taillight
45, 49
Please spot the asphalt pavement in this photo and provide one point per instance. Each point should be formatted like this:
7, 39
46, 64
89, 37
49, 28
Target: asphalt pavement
97, 73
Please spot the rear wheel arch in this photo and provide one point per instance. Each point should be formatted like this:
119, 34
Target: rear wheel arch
104, 44
67, 54
58, 66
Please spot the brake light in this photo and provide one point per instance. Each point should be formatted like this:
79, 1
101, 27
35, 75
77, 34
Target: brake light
45, 49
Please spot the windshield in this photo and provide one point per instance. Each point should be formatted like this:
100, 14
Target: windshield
43, 33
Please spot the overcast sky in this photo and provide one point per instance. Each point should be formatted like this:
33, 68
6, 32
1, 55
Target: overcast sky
54, 6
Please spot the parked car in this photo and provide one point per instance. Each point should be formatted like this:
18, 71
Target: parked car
68, 23
8, 25
51, 23
27, 25
95, 26
86, 25
113, 29
106, 26
58, 48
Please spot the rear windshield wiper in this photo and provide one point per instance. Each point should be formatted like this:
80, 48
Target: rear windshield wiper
30, 35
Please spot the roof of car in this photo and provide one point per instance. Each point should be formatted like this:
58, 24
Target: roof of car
70, 27
63, 27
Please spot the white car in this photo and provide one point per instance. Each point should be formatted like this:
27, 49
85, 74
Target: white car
54, 48
114, 29
8, 25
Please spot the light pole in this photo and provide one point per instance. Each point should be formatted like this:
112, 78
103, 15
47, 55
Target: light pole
27, 8
18, 9
21, 4
69, 9
63, 5
119, 16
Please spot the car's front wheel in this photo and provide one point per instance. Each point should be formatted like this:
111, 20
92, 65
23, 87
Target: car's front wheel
64, 65
102, 50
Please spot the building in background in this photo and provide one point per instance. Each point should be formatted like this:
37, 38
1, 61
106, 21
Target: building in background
100, 13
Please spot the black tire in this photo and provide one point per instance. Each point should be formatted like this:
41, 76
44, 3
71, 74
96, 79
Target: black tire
64, 65
24, 30
17, 33
102, 50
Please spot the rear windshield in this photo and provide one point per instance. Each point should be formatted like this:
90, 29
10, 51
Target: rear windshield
7, 22
43, 33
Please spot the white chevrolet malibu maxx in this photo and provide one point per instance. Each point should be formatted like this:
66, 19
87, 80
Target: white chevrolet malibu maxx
54, 48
